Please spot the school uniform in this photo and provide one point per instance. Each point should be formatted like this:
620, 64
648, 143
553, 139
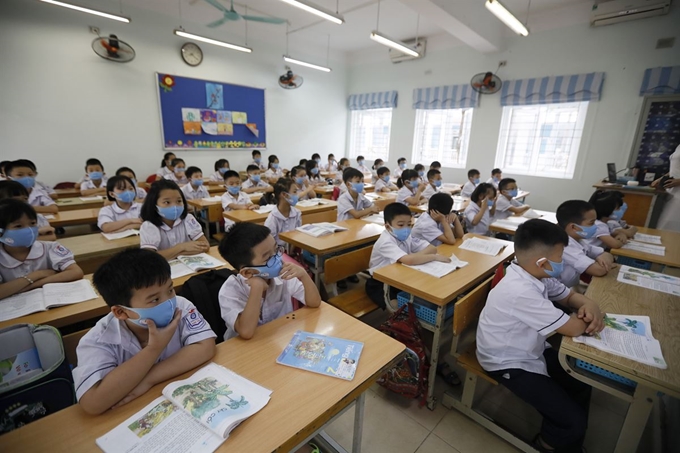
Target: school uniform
577, 257
163, 172
493, 182
403, 194
110, 343
114, 213
329, 167
89, 184
278, 223
511, 345
467, 190
503, 206
306, 196
602, 230
427, 229
42, 221
43, 255
397, 172
216, 177
380, 184
429, 191
194, 194
228, 198
374, 176
38, 197
260, 165
363, 169
163, 237
346, 203
273, 173
248, 183
277, 300
616, 225
483, 226
45, 188
141, 193
179, 181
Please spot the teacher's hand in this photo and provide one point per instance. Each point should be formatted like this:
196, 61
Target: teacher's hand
672, 183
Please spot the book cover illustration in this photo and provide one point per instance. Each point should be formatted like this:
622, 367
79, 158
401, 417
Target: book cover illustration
146, 423
210, 401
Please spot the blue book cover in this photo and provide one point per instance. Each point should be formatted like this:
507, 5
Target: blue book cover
322, 354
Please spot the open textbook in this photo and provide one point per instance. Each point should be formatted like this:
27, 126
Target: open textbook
42, 299
650, 280
629, 337
375, 218
193, 415
645, 248
265, 209
439, 269
311, 202
186, 265
648, 238
120, 234
320, 229
484, 246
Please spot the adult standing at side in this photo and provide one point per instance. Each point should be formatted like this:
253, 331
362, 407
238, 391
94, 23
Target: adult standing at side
670, 216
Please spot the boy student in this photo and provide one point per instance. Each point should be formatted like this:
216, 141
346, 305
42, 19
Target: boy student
195, 189
434, 183
221, 167
471, 184
96, 179
438, 225
397, 245
23, 172
518, 317
435, 165
506, 205
265, 286
331, 166
254, 182
257, 160
3, 175
234, 198
420, 168
577, 218
125, 171
151, 334
401, 166
12, 189
123, 214
361, 165
383, 183
496, 176
352, 204
42, 186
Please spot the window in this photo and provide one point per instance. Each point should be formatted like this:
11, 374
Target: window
370, 134
541, 140
442, 135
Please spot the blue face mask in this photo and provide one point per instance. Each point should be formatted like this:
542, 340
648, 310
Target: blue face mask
26, 181
293, 199
402, 165
197, 182
401, 233
512, 193
126, 197
421, 173
234, 190
438, 183
223, 170
23, 237
314, 171
317, 160
358, 187
270, 270
624, 206
587, 231
412, 184
360, 162
161, 314
475, 181
257, 160
255, 178
490, 202
386, 178
557, 268
496, 180
95, 175
179, 171
171, 212
300, 180
275, 166
617, 215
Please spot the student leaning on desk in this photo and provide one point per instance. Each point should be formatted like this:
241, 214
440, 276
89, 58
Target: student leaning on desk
12, 189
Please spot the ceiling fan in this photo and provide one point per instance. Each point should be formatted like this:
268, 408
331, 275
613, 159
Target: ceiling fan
233, 15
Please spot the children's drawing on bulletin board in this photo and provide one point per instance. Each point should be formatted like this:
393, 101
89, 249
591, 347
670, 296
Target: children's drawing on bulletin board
200, 114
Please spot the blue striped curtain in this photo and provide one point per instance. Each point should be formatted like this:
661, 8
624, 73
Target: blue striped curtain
445, 97
379, 100
664, 80
552, 90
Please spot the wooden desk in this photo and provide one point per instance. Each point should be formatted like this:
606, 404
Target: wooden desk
451, 188
71, 204
383, 199
509, 225
459, 205
640, 201
301, 402
67, 193
664, 313
669, 239
210, 211
324, 191
75, 217
327, 212
92, 250
521, 195
215, 189
443, 291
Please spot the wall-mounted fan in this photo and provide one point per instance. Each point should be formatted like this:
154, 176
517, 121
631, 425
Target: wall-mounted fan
231, 14
486, 83
113, 49
290, 81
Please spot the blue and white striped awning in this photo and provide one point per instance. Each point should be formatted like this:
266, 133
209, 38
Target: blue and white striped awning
665, 80
445, 97
552, 90
366, 101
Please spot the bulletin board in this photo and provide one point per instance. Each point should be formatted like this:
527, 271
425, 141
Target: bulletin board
206, 115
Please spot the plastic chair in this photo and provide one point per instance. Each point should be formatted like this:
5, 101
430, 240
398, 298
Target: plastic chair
151, 178
65, 185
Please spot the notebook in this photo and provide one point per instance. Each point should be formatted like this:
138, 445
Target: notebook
320, 229
186, 265
49, 296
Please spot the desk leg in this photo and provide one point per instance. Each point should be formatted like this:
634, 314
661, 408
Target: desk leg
434, 356
358, 423
636, 420
205, 220
317, 271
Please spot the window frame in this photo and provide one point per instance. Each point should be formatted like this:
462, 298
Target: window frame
421, 136
367, 151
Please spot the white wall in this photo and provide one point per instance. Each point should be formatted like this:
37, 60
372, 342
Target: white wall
622, 51
61, 104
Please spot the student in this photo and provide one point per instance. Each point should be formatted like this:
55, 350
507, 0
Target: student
438, 225
434, 183
284, 217
221, 167
410, 188
316, 158
123, 214
604, 209
254, 182
151, 334
331, 166
473, 182
178, 175
481, 209
166, 166
496, 176
195, 189
361, 165
22, 171
12, 189
519, 315
352, 204
274, 171
617, 226
42, 186
265, 286
304, 189
377, 165
25, 262
397, 245
435, 165
577, 218
3, 175
96, 179
337, 177
302, 163
125, 171
506, 205
168, 228
257, 160
420, 168
235, 199
401, 166
383, 183
313, 173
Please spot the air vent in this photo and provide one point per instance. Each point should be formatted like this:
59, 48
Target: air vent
665, 43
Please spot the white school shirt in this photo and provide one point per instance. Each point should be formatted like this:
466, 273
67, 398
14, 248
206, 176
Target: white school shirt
111, 343
163, 172
602, 230
42, 220
503, 207
363, 169
278, 223
516, 320
483, 226
43, 255
577, 257
260, 165
380, 184
329, 167
427, 229
616, 225
114, 213
403, 194
388, 250
228, 198
44, 187
141, 193
217, 177
163, 237
306, 196
89, 184
38, 197
346, 203
248, 183
173, 177
191, 194
277, 301
492, 182
397, 172
467, 190
271, 173
429, 191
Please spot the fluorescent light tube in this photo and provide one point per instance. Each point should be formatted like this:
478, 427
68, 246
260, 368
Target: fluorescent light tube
506, 17
89, 11
316, 10
184, 34
393, 43
287, 59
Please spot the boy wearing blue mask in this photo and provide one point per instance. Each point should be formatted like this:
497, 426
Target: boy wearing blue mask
362, 167
150, 336
123, 213
23, 172
95, 182
519, 315
410, 188
471, 184
265, 286
496, 176
383, 183
434, 183
257, 160
235, 198
254, 183
352, 204
401, 166
506, 205
195, 189
577, 218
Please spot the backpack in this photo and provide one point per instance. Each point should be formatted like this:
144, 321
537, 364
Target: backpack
409, 376
35, 377
203, 290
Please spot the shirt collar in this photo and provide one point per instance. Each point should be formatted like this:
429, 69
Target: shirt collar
524, 275
279, 215
118, 210
165, 227
116, 332
8, 261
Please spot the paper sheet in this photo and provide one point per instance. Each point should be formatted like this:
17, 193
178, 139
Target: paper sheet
309, 203
91, 198
375, 218
650, 280
21, 304
439, 269
265, 209
482, 246
49, 216
120, 235
216, 198
648, 238
56, 294
645, 248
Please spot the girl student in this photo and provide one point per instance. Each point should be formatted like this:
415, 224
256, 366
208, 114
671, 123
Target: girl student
605, 208
410, 188
123, 213
305, 190
377, 164
616, 223
27, 263
168, 228
178, 174
12, 189
126, 171
313, 175
166, 166
480, 211
221, 167
274, 171
284, 217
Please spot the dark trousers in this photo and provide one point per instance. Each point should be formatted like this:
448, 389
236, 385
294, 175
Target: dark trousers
375, 290
562, 401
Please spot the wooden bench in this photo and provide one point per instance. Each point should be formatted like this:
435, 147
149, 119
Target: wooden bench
354, 302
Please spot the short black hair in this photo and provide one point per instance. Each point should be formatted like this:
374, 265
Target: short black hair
219, 163
395, 209
238, 242
252, 167
406, 175
256, 152
231, 174
419, 167
343, 160
505, 182
472, 172
316, 156
331, 155
572, 211
480, 191
116, 182
604, 206
378, 161
126, 169
150, 210
19, 163
383, 170
12, 189
281, 186
12, 210
435, 164
176, 161
191, 170
3, 164
92, 161
440, 202
401, 159
432, 173
538, 233
496, 171
298, 168
360, 158
127, 271
302, 162
350, 172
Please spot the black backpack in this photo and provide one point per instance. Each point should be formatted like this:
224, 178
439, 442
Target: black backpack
203, 290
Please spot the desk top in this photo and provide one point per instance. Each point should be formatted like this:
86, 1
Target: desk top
642, 190
663, 311
95, 245
204, 203
301, 402
246, 215
359, 232
669, 239
67, 193
443, 290
459, 205
74, 217
509, 225
69, 204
